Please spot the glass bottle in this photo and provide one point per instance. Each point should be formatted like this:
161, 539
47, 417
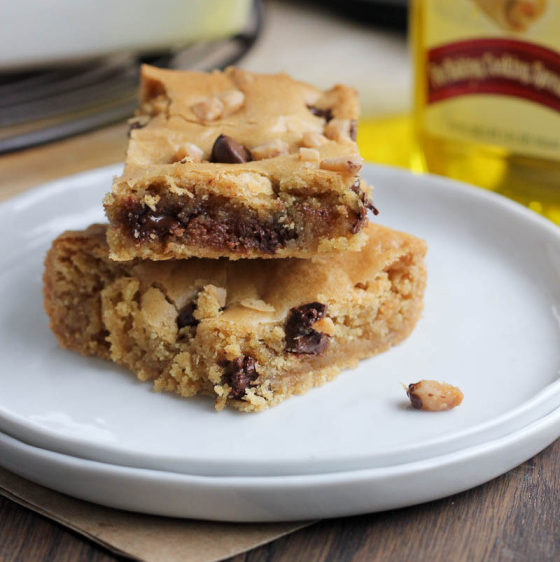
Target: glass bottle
487, 95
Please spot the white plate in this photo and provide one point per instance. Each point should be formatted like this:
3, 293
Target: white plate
66, 31
279, 498
490, 325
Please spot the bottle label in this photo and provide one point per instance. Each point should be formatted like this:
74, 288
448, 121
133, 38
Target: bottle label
493, 73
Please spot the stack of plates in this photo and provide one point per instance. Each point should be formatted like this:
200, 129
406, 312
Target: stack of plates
491, 326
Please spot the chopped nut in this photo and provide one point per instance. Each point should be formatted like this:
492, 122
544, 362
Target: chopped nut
159, 314
339, 129
210, 303
160, 104
155, 105
313, 139
242, 78
276, 147
309, 155
151, 201
232, 100
325, 325
433, 396
208, 109
348, 164
188, 152
222, 105
257, 304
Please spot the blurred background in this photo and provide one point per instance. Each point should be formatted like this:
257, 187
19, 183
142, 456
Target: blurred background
59, 80
75, 70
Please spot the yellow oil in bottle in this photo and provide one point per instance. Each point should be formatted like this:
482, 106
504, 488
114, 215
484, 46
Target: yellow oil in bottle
527, 178
390, 140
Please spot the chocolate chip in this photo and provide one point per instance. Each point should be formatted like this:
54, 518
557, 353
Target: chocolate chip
324, 113
143, 222
366, 204
360, 220
307, 314
229, 151
355, 187
186, 316
313, 343
240, 374
300, 335
353, 129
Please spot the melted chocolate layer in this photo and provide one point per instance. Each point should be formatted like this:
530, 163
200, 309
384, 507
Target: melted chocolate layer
213, 224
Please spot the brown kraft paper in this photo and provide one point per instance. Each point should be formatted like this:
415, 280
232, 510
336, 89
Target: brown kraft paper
143, 537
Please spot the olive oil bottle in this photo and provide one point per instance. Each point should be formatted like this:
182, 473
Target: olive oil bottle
487, 95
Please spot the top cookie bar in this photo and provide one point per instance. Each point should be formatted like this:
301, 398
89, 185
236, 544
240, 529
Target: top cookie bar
238, 165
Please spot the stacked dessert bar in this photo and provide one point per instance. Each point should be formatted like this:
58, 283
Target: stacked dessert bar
238, 262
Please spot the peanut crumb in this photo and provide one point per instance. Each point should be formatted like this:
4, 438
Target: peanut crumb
232, 100
348, 164
188, 152
339, 129
313, 139
151, 201
277, 147
433, 396
309, 155
325, 326
208, 109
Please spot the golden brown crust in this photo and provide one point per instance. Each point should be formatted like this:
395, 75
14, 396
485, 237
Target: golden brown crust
304, 156
273, 106
75, 269
223, 328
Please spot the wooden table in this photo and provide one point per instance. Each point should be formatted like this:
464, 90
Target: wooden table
513, 518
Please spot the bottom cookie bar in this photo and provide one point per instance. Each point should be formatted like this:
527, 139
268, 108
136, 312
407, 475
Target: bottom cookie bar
250, 333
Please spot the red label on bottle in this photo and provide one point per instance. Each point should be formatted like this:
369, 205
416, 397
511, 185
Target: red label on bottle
504, 67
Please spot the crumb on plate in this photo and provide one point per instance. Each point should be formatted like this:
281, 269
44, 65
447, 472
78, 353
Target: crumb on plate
433, 396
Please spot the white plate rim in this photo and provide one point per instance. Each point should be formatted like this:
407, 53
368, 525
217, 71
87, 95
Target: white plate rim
288, 497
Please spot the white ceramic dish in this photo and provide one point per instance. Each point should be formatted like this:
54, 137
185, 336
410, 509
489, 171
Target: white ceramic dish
37, 33
279, 498
490, 326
